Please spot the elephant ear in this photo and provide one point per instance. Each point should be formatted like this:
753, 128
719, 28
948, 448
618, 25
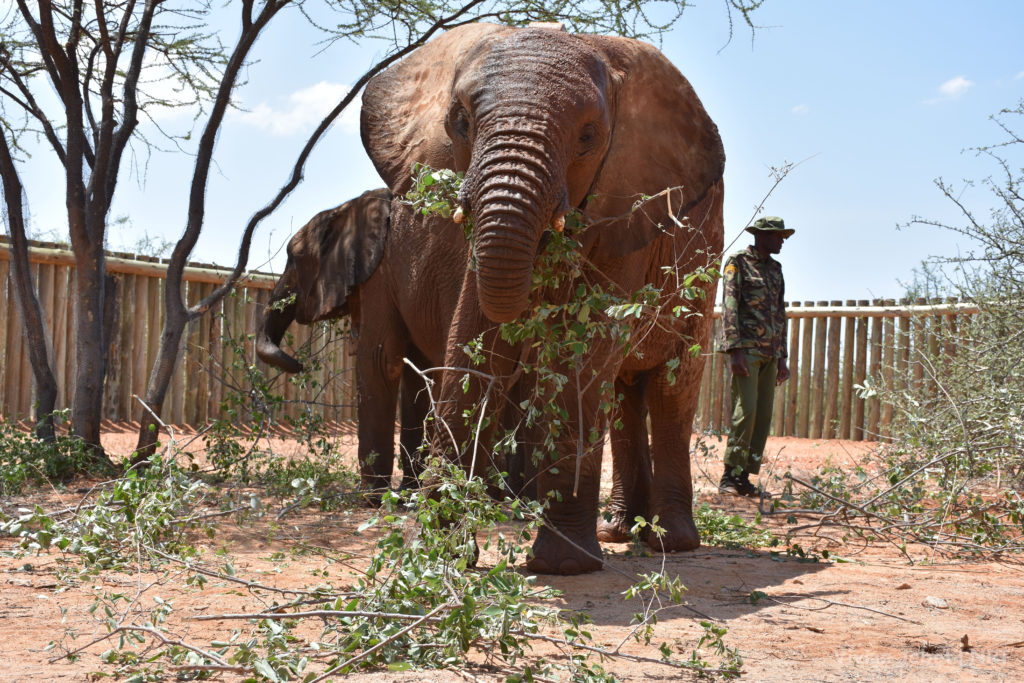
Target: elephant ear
335, 252
662, 137
404, 107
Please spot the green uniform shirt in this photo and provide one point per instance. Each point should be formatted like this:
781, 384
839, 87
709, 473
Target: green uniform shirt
753, 304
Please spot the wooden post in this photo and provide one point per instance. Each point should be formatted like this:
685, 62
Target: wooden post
888, 370
950, 326
193, 358
176, 391
229, 329
127, 406
779, 402
875, 373
803, 408
250, 319
5, 323
719, 389
215, 348
61, 340
15, 354
859, 373
704, 412
47, 285
818, 372
792, 391
154, 321
140, 337
27, 383
203, 369
903, 352
832, 375
71, 359
112, 382
920, 348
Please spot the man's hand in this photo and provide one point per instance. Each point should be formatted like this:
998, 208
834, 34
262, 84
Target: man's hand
738, 362
783, 373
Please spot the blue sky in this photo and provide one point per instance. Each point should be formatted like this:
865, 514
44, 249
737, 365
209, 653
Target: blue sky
873, 101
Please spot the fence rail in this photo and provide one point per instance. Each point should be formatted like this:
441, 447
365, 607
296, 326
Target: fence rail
833, 347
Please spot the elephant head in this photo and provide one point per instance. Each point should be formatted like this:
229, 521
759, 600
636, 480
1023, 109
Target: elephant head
327, 259
542, 122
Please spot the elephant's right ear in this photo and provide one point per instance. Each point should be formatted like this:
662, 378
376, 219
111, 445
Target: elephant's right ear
404, 107
338, 250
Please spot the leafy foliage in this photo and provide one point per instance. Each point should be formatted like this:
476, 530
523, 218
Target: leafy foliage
151, 507
26, 461
730, 531
954, 475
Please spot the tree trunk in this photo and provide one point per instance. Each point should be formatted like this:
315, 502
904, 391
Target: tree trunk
28, 301
160, 376
87, 403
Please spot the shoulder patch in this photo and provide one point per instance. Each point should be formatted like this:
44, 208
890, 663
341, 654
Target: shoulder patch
729, 269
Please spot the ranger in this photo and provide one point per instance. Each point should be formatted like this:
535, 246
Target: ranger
754, 336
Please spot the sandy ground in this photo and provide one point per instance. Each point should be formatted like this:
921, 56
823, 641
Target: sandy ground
865, 614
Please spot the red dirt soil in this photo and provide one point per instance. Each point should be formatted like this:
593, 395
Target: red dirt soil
868, 616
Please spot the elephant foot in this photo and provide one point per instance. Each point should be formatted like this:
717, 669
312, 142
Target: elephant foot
615, 530
680, 533
552, 554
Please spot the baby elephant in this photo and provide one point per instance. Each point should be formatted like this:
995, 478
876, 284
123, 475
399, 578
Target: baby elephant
332, 261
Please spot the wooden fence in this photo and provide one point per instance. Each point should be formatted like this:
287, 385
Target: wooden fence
210, 364
832, 348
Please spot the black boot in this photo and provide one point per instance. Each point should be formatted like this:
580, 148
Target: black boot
738, 485
745, 488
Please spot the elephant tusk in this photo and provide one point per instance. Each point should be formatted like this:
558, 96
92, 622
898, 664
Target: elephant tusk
559, 224
458, 216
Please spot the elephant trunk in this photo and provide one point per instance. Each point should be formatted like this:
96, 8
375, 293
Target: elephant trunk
514, 191
275, 323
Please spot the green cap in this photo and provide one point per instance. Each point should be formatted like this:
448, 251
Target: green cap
771, 224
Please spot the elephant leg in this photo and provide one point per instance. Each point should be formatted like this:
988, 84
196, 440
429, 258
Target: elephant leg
379, 369
522, 471
468, 387
631, 464
672, 410
413, 406
567, 543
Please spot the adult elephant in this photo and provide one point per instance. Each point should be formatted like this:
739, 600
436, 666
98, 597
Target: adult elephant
338, 265
543, 122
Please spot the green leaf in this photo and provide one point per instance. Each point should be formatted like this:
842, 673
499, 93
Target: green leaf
264, 668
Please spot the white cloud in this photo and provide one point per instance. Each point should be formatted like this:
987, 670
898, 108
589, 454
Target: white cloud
302, 111
952, 89
801, 109
955, 87
1019, 76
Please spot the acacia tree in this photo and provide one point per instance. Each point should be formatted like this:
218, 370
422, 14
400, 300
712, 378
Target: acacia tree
94, 55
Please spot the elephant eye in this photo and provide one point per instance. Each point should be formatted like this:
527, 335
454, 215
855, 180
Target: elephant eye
458, 122
588, 140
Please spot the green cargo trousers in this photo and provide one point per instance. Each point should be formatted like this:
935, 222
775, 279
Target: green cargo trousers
753, 398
